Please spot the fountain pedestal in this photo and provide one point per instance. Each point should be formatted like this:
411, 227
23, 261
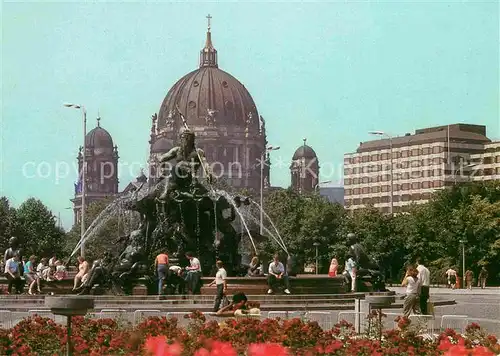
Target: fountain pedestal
69, 307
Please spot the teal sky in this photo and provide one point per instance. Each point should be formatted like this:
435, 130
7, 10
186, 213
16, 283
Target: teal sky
327, 71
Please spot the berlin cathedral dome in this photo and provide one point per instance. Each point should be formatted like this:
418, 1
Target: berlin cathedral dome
224, 117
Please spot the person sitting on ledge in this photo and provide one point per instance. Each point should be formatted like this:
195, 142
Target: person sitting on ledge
255, 268
239, 306
277, 274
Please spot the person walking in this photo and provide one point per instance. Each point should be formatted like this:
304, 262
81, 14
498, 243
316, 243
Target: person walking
424, 279
411, 283
221, 283
161, 268
452, 278
469, 278
483, 275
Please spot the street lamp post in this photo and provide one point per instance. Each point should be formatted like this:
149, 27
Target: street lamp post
463, 262
319, 183
262, 158
84, 168
382, 133
316, 244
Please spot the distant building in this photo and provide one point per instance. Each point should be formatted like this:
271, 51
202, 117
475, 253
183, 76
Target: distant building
430, 159
304, 170
333, 194
101, 169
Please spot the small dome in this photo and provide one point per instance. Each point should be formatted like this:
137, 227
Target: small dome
161, 146
98, 138
304, 151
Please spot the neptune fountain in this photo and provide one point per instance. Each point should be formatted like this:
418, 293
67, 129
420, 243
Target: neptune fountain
182, 212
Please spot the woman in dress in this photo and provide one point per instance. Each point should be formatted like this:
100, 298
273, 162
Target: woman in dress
334, 265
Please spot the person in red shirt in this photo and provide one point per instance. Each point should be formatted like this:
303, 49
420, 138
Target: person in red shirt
161, 267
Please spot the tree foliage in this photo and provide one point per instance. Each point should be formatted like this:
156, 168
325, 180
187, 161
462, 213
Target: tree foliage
40, 234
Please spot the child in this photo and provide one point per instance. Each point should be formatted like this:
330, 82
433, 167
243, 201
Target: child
60, 272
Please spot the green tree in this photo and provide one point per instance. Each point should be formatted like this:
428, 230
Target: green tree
40, 234
8, 223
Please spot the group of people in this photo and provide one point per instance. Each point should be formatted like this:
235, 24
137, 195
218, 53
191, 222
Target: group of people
19, 271
453, 280
177, 278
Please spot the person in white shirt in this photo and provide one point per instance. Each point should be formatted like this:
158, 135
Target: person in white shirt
277, 274
411, 283
221, 283
452, 278
350, 273
193, 275
13, 274
424, 279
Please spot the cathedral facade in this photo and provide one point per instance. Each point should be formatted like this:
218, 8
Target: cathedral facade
222, 114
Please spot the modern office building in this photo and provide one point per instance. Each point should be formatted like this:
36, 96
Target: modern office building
394, 172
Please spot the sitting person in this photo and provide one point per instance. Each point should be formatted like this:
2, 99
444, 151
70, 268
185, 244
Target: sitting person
83, 272
193, 275
13, 274
43, 270
239, 306
31, 275
60, 272
277, 274
255, 268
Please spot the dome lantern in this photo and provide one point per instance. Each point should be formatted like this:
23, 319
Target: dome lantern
208, 55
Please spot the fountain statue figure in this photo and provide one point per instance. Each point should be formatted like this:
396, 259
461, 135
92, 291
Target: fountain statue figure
180, 213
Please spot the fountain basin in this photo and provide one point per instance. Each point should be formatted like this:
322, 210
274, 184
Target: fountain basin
380, 300
69, 306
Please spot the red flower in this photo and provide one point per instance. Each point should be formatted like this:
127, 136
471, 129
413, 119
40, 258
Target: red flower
482, 351
267, 349
457, 350
157, 346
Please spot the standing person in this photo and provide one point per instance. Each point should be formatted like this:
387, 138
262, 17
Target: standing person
83, 272
193, 275
469, 278
483, 275
334, 265
221, 283
13, 274
277, 274
31, 275
411, 283
161, 268
424, 279
452, 278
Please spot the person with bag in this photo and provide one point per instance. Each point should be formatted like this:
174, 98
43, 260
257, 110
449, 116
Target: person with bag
221, 284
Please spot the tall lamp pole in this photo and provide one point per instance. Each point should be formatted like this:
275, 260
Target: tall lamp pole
262, 163
316, 244
463, 262
382, 133
84, 168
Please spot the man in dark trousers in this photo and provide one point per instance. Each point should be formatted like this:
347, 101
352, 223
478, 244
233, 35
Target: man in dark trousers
424, 279
221, 283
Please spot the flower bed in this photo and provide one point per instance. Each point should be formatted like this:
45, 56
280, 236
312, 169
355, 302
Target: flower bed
161, 337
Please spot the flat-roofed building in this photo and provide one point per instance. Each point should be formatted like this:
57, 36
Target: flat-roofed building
394, 172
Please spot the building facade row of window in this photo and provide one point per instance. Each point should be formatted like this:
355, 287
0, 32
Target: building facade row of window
396, 176
396, 187
373, 157
386, 199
